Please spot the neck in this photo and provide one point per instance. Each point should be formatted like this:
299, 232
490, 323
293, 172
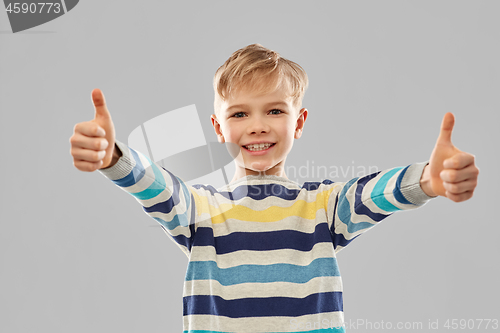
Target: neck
275, 171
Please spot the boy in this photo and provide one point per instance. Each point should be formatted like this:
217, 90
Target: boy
262, 251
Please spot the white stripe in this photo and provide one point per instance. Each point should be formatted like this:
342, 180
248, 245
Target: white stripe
179, 230
231, 187
64, 6
165, 195
246, 257
147, 180
342, 228
338, 248
321, 284
366, 195
389, 195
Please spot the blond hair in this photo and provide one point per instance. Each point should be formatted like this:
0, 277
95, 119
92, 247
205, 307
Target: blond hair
262, 71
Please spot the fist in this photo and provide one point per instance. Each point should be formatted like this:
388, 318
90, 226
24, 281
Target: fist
453, 172
93, 142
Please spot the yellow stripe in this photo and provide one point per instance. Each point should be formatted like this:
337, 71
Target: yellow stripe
224, 211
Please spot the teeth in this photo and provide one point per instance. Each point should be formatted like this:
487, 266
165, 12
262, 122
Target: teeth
257, 147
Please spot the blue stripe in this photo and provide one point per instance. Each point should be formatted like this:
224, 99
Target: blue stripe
323, 330
167, 206
187, 199
256, 192
263, 241
344, 210
377, 194
339, 239
181, 239
312, 186
260, 192
359, 206
208, 270
397, 191
156, 187
263, 306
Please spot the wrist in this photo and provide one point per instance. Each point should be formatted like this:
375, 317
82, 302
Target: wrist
117, 153
425, 182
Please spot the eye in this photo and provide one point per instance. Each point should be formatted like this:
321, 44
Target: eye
237, 114
276, 110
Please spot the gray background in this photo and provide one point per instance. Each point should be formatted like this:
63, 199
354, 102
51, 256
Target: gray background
77, 254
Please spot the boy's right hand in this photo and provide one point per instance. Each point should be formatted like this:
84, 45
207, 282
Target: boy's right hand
93, 142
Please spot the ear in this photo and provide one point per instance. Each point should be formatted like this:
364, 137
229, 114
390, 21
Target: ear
216, 125
301, 119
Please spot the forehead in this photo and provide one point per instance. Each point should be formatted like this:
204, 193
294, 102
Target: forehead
249, 98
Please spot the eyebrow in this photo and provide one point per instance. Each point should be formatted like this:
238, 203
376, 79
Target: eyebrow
265, 106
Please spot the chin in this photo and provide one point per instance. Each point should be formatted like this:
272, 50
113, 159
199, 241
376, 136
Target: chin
263, 170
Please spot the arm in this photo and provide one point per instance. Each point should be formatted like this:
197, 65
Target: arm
358, 205
164, 197
362, 203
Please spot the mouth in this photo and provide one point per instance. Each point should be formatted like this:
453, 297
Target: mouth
257, 148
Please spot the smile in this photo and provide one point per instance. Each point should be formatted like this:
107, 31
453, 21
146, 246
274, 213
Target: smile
259, 149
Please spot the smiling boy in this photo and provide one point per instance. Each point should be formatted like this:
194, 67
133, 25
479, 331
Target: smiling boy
264, 126
262, 250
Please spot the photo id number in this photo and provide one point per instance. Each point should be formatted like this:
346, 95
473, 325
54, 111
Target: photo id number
33, 8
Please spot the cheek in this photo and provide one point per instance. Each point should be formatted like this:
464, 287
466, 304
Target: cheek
289, 134
233, 136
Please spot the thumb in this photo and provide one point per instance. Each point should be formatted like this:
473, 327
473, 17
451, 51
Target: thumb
103, 119
446, 129
101, 110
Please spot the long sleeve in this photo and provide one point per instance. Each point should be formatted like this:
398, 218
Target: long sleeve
163, 196
359, 204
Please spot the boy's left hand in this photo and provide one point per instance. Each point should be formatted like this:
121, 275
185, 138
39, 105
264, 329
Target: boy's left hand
451, 172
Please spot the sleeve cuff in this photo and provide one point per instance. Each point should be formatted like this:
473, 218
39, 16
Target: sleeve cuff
410, 185
123, 166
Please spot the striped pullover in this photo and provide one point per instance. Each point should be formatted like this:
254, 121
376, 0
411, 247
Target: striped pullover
262, 250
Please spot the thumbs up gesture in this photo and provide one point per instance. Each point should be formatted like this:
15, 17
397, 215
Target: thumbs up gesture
451, 172
93, 142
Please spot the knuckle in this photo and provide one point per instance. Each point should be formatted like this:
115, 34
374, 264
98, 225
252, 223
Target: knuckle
95, 155
80, 127
78, 166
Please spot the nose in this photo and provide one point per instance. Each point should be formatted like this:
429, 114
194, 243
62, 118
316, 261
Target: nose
258, 125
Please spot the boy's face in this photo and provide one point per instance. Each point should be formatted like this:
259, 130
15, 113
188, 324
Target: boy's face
247, 118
